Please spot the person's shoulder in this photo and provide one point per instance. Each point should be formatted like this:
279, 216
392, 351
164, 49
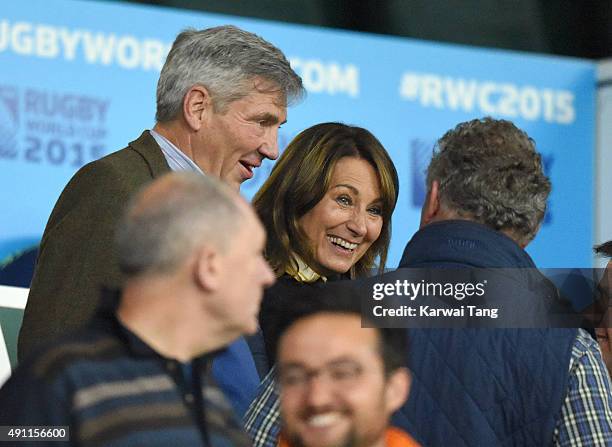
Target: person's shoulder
73, 351
586, 367
141, 150
98, 172
46, 380
584, 339
582, 345
284, 285
113, 165
117, 174
394, 437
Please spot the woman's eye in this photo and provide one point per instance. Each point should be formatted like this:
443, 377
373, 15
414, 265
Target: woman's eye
377, 211
344, 200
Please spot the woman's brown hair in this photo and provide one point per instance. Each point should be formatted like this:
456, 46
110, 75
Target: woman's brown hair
300, 179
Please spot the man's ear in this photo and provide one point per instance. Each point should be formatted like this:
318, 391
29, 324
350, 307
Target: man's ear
431, 207
397, 389
197, 103
207, 268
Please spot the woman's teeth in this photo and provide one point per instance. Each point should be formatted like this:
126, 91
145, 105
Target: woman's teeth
342, 243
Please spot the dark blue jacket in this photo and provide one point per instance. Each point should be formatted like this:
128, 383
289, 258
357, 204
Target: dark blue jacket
482, 387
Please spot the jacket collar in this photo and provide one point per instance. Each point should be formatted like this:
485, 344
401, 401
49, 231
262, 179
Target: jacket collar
150, 151
464, 243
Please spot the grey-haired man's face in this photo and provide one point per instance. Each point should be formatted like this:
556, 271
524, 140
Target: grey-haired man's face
239, 137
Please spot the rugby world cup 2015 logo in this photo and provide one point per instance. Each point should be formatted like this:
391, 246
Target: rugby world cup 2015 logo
9, 121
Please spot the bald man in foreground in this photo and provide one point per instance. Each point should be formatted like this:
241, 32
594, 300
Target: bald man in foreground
191, 250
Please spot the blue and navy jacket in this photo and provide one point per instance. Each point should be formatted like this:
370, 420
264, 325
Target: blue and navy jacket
482, 387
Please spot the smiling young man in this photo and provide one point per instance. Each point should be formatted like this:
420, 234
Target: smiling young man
221, 98
339, 382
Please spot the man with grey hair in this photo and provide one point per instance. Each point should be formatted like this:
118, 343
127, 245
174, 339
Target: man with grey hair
486, 200
191, 250
221, 98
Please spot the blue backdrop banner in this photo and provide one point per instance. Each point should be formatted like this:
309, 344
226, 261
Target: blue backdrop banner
78, 81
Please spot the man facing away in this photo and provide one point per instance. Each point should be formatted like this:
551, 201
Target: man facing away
531, 387
339, 382
191, 250
221, 98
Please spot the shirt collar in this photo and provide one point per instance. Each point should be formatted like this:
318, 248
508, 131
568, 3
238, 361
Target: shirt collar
301, 272
106, 320
177, 160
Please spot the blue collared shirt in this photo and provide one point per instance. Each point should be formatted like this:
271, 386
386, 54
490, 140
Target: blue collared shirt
177, 160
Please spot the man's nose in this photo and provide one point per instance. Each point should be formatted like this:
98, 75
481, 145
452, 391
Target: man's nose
268, 275
269, 148
319, 392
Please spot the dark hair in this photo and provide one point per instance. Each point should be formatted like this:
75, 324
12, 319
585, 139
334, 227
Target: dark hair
604, 249
300, 179
341, 298
489, 171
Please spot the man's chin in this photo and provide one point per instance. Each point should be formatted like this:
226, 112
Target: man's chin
252, 327
233, 179
346, 440
235, 184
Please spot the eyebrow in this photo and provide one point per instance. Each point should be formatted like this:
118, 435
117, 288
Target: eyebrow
335, 362
289, 366
355, 191
268, 117
344, 185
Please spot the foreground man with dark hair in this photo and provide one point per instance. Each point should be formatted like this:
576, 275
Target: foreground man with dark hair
191, 250
339, 382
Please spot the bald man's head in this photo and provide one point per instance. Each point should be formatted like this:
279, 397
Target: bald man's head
171, 217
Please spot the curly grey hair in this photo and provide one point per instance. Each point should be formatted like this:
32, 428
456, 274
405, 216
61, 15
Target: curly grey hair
223, 59
489, 171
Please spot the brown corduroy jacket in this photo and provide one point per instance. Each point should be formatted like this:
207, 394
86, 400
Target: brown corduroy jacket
76, 256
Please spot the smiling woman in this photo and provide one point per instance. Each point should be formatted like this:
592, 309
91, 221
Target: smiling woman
347, 220
327, 209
